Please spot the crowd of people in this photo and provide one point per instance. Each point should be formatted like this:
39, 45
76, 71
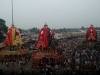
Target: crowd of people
79, 61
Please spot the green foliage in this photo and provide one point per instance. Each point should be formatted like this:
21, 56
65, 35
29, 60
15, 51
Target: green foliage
82, 28
3, 27
1, 37
3, 30
21, 30
34, 29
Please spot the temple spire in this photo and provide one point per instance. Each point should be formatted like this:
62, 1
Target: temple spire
91, 24
45, 23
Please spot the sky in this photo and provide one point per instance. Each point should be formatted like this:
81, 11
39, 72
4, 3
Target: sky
56, 13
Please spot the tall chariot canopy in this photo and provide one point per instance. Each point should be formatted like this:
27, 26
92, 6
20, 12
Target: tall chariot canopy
13, 36
91, 33
45, 37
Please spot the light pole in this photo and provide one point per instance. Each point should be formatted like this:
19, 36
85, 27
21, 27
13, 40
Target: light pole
12, 11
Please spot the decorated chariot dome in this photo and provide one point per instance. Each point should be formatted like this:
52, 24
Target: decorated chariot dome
45, 36
91, 33
13, 37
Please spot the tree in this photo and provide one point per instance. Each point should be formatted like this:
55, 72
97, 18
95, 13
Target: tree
82, 28
21, 30
34, 29
2, 37
3, 29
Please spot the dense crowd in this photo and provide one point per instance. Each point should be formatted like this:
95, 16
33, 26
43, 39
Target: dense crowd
79, 60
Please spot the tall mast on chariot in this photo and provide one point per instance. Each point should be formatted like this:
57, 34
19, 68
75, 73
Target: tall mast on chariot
12, 12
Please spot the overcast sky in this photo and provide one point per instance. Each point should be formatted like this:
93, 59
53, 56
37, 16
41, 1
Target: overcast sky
56, 13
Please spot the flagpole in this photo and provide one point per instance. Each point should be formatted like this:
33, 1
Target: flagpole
12, 11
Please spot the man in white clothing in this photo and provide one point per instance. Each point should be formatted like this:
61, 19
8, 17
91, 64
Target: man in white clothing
26, 69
